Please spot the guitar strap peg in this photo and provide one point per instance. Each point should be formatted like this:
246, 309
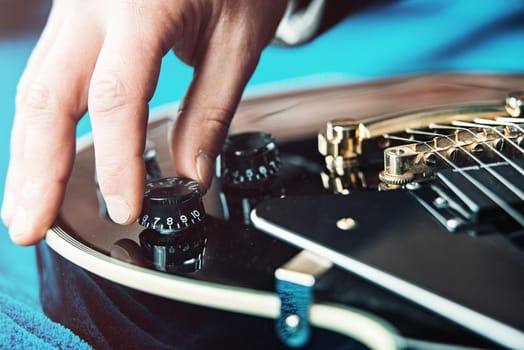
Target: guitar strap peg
295, 282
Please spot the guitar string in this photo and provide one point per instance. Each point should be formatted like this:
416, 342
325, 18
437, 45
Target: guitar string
484, 126
483, 165
497, 122
499, 201
497, 152
504, 122
510, 120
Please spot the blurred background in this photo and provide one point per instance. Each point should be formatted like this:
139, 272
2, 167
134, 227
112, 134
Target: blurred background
381, 38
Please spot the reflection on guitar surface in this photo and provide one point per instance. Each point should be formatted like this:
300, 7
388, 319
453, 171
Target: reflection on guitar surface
397, 225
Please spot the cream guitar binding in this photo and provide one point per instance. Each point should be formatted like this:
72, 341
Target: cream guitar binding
406, 194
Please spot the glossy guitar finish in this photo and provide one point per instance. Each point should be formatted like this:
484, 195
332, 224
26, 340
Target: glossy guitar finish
471, 280
237, 269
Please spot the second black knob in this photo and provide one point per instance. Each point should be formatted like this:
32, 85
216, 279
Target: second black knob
248, 160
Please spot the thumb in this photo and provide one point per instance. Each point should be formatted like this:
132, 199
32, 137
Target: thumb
208, 107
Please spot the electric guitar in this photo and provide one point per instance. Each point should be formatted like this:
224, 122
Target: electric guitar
385, 214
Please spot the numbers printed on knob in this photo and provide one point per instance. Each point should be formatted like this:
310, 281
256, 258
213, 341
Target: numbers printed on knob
164, 224
250, 174
248, 160
171, 205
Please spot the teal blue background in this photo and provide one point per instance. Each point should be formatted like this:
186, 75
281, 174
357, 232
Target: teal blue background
399, 38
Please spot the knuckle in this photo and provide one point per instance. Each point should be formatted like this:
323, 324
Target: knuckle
118, 176
109, 172
107, 94
217, 119
36, 96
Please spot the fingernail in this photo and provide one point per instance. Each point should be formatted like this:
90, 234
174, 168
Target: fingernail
204, 165
18, 227
118, 209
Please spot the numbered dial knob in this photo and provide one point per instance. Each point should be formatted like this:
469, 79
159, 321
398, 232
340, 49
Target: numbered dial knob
248, 160
174, 253
171, 205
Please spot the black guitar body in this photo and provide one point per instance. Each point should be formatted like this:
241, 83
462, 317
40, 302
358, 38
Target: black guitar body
394, 234
108, 315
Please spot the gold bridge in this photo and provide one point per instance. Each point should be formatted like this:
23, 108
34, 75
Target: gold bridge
416, 145
461, 144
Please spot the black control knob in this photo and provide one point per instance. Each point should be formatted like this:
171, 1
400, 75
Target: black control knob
174, 253
248, 160
171, 205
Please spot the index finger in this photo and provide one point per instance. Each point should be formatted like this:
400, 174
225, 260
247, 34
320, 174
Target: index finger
122, 84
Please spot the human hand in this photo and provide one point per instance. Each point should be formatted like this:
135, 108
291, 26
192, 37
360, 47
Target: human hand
105, 56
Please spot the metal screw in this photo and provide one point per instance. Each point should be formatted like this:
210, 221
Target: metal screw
346, 224
292, 321
412, 185
452, 154
515, 103
430, 159
454, 223
477, 148
440, 202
